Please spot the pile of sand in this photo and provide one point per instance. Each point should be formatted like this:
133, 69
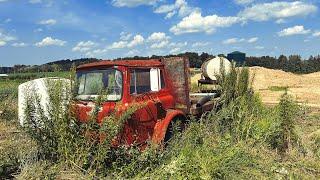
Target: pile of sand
305, 88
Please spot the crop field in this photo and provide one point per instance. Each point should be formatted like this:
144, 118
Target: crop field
245, 139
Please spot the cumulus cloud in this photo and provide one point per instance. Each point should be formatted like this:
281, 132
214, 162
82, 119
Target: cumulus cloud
233, 40
180, 7
5, 38
96, 52
243, 2
253, 40
48, 22
175, 50
280, 21
133, 3
125, 36
2, 43
158, 36
137, 40
160, 45
195, 22
83, 46
119, 45
316, 34
49, 41
296, 30
277, 10
21, 44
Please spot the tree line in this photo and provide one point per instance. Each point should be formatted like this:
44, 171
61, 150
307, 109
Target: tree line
292, 63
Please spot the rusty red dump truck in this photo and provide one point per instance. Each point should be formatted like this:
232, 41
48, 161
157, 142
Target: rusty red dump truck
162, 85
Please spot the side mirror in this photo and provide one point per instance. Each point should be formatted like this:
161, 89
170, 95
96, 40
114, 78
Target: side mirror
155, 79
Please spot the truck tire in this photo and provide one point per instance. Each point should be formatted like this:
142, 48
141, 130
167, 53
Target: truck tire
176, 126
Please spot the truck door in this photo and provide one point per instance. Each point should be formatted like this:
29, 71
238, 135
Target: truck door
146, 90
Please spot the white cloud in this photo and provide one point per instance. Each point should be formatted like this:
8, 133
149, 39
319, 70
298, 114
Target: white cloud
49, 41
180, 7
233, 41
160, 45
133, 3
294, 31
137, 40
119, 45
200, 44
125, 36
6, 37
21, 44
38, 30
253, 40
48, 22
2, 43
179, 44
84, 46
175, 50
97, 52
195, 22
35, 1
316, 34
281, 21
277, 10
230, 41
243, 2
158, 36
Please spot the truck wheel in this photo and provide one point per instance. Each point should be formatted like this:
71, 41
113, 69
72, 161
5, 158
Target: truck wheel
176, 127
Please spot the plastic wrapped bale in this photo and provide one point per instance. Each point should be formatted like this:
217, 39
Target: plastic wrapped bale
36, 94
212, 67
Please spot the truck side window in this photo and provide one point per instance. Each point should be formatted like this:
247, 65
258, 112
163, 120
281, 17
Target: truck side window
140, 81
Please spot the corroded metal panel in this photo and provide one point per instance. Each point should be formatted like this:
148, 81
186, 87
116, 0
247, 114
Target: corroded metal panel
177, 70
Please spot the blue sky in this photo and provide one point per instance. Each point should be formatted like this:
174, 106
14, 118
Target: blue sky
39, 31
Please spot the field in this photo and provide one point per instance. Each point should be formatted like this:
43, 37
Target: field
244, 140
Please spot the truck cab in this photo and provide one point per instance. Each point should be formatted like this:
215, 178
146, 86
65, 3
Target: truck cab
152, 84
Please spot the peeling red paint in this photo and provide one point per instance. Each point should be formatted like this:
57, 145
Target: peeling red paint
159, 108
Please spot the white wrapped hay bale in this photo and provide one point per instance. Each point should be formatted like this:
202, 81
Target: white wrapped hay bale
213, 66
36, 94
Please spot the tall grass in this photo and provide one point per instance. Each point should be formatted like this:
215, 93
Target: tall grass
240, 139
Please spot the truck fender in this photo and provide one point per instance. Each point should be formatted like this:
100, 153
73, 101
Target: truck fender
161, 126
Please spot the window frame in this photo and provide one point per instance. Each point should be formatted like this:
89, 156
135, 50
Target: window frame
103, 69
147, 68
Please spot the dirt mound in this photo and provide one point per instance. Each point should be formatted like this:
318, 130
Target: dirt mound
271, 84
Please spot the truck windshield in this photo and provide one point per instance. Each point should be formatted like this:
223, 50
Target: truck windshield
107, 83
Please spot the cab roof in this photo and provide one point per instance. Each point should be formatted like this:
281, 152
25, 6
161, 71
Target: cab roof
128, 63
